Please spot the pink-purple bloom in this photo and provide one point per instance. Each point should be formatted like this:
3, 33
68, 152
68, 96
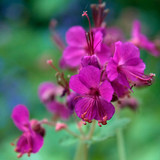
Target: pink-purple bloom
79, 45
31, 139
126, 65
95, 95
47, 93
141, 40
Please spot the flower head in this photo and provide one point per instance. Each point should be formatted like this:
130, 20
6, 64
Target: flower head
126, 65
47, 92
95, 95
31, 139
81, 43
141, 40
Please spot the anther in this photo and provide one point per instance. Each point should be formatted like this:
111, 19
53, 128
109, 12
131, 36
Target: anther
105, 118
84, 123
99, 124
85, 14
12, 144
20, 155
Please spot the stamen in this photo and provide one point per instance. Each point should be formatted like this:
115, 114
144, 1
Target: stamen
105, 118
99, 124
20, 155
50, 62
16, 149
29, 152
84, 123
85, 14
55, 36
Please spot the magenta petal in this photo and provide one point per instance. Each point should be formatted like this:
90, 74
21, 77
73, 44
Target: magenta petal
29, 143
141, 40
122, 79
111, 69
83, 105
24, 144
98, 38
125, 52
90, 60
20, 117
37, 142
46, 90
104, 54
136, 30
73, 55
75, 36
106, 91
58, 109
113, 35
90, 76
105, 108
119, 89
76, 85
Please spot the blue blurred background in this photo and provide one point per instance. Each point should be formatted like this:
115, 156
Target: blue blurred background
26, 44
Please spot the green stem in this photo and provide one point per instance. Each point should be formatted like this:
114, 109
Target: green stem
120, 140
120, 143
71, 133
83, 147
90, 134
82, 151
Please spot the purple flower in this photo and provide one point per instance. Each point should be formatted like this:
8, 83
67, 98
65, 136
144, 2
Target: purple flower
59, 110
31, 139
126, 65
47, 92
79, 46
71, 100
130, 102
141, 40
95, 95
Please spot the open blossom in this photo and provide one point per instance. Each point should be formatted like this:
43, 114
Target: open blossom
126, 65
79, 46
31, 139
141, 40
95, 95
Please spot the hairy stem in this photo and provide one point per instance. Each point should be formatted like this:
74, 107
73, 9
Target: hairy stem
120, 143
120, 140
82, 151
90, 134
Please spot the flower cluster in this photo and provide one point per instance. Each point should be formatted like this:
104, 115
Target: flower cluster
108, 67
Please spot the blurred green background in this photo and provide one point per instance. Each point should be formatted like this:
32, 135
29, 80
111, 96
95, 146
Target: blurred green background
26, 44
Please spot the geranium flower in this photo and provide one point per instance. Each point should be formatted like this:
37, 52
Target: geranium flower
31, 139
47, 92
126, 65
95, 95
141, 40
79, 46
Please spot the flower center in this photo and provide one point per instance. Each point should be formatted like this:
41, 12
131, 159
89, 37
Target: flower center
94, 92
